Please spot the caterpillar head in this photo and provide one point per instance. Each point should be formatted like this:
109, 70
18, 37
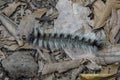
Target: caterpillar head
36, 34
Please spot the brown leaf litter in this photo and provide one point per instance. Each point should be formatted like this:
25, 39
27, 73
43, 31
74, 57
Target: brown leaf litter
19, 17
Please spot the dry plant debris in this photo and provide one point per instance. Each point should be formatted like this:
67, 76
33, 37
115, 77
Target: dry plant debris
20, 60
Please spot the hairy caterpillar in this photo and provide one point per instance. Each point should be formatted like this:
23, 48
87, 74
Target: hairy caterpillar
49, 40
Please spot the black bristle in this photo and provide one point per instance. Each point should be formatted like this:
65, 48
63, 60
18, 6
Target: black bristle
76, 37
94, 42
44, 36
55, 35
39, 34
31, 37
68, 36
89, 40
91, 15
100, 44
83, 39
104, 1
61, 35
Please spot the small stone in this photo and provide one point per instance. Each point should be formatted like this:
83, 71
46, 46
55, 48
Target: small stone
20, 64
6, 78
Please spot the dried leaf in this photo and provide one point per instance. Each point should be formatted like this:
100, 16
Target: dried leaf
110, 4
50, 77
64, 78
12, 46
11, 27
8, 24
93, 76
76, 72
2, 3
71, 17
11, 8
83, 2
2, 56
28, 22
98, 10
117, 37
110, 69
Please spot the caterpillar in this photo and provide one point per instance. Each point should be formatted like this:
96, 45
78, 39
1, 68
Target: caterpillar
56, 40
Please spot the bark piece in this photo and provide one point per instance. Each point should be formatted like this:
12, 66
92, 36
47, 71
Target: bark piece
109, 55
61, 66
